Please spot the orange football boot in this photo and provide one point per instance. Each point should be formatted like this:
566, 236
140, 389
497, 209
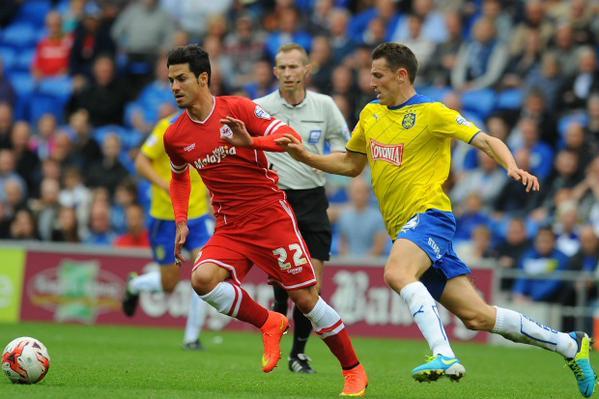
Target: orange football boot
272, 331
356, 382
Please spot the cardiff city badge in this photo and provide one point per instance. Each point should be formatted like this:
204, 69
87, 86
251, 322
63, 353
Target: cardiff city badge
408, 120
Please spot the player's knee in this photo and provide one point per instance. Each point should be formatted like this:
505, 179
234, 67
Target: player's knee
305, 300
396, 280
203, 282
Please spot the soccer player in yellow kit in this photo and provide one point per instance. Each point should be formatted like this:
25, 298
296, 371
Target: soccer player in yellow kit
154, 164
406, 139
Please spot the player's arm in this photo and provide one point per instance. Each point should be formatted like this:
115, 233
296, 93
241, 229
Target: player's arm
240, 136
348, 163
180, 189
143, 166
497, 150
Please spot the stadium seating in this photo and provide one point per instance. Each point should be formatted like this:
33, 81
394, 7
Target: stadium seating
510, 99
8, 57
481, 102
34, 11
20, 35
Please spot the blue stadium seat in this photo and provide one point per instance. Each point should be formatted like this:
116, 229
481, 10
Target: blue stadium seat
510, 99
433, 92
60, 87
20, 35
101, 132
8, 57
34, 11
480, 102
24, 59
23, 83
41, 104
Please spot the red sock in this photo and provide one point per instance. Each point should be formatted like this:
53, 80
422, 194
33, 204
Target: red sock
341, 346
246, 309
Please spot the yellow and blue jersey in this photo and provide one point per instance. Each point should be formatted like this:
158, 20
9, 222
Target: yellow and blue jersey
161, 206
409, 151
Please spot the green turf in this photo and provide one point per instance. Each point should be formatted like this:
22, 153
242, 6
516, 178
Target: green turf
120, 362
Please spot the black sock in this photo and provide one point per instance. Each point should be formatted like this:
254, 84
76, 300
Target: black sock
301, 332
281, 297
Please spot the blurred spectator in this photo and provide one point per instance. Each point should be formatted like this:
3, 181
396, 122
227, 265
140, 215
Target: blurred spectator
63, 151
542, 258
125, 195
478, 249
15, 196
76, 196
53, 52
322, 64
481, 60
494, 10
341, 43
6, 124
109, 171
527, 136
546, 78
535, 107
263, 82
84, 146
469, 216
577, 142
219, 60
193, 15
7, 91
487, 180
585, 80
434, 22
421, 46
523, 63
66, 228
438, 71
388, 18
513, 198
7, 172
47, 208
142, 31
566, 228
23, 226
360, 226
586, 193
91, 38
534, 20
510, 252
137, 234
342, 80
100, 231
105, 98
565, 48
5, 220
375, 33
593, 123
28, 163
43, 141
581, 17
245, 47
289, 31
74, 13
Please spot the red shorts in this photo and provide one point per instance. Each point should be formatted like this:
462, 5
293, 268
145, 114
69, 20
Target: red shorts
268, 238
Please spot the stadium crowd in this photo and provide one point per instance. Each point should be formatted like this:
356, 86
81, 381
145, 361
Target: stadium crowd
83, 82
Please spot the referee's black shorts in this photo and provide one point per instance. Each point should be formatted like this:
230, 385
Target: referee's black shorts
310, 207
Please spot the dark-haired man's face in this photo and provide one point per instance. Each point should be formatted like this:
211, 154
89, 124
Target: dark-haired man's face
384, 81
184, 85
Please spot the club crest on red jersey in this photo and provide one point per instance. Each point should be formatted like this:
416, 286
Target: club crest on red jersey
385, 152
261, 113
226, 132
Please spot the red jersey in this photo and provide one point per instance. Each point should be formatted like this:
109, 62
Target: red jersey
238, 178
52, 55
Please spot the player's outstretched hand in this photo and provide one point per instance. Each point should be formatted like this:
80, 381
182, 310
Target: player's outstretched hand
237, 133
528, 180
182, 233
293, 146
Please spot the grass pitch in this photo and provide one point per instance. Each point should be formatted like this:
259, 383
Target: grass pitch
122, 362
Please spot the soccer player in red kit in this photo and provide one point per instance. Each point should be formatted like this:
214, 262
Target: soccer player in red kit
254, 223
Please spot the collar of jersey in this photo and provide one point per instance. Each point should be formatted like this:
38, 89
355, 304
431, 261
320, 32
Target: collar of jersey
285, 103
415, 99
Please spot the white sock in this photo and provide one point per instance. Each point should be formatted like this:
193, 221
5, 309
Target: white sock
519, 328
147, 282
223, 297
325, 319
195, 318
425, 314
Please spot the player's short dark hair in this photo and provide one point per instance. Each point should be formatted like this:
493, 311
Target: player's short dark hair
397, 56
192, 54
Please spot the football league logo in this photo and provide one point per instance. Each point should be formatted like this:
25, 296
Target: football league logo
261, 113
408, 120
462, 121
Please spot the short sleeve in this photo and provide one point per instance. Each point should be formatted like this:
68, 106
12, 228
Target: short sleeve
257, 121
178, 164
449, 123
357, 142
337, 132
153, 147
